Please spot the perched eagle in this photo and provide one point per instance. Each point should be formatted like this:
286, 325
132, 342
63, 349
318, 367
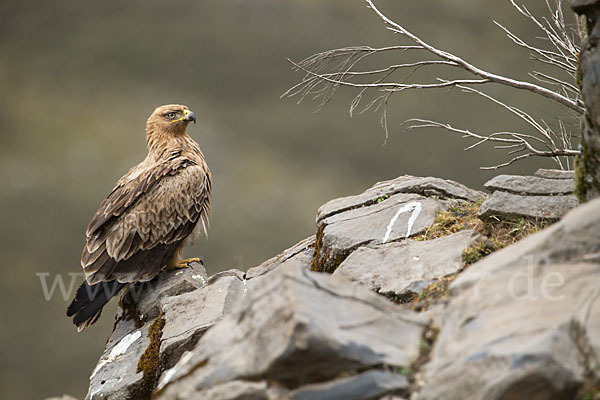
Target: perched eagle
147, 219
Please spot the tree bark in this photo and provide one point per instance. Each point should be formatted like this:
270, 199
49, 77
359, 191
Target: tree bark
587, 166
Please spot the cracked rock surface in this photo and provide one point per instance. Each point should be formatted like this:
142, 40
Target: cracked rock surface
295, 329
525, 321
408, 266
547, 195
521, 323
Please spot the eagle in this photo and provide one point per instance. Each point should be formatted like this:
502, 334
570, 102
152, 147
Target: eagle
156, 208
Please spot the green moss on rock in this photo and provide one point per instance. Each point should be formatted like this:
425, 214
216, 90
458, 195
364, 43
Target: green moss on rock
580, 186
149, 362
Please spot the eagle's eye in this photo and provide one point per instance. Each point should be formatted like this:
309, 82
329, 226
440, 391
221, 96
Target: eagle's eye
171, 115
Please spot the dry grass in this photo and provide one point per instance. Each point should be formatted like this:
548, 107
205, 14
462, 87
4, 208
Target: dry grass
497, 233
462, 215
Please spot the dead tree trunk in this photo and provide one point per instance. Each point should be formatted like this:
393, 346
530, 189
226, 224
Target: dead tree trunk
587, 167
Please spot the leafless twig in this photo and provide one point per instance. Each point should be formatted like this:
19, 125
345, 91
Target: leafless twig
326, 72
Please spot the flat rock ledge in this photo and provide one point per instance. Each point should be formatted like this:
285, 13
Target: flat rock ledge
408, 266
523, 322
388, 212
282, 334
546, 195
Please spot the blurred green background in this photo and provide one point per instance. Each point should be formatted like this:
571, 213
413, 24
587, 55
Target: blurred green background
78, 80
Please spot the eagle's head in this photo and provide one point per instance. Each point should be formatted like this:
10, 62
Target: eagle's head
170, 119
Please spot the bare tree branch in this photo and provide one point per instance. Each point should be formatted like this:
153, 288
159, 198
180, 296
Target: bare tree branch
475, 70
508, 140
322, 79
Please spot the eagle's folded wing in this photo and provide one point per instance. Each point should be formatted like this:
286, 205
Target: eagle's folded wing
143, 221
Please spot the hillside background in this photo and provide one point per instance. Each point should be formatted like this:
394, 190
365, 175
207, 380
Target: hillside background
78, 80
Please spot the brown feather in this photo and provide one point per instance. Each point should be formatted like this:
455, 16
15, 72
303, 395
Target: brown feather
147, 218
151, 210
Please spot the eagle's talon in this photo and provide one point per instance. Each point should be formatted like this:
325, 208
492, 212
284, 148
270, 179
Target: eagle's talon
185, 263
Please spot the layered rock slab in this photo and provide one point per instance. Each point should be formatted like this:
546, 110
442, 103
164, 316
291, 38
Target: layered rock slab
525, 321
243, 390
504, 204
169, 297
530, 185
298, 327
408, 266
141, 304
389, 211
524, 333
424, 186
574, 239
187, 316
397, 217
368, 385
548, 195
116, 375
554, 174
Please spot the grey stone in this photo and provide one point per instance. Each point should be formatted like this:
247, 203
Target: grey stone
530, 185
189, 315
400, 267
555, 174
365, 386
171, 283
142, 303
301, 249
258, 276
425, 186
116, 377
298, 327
398, 217
241, 390
575, 238
526, 331
63, 397
510, 205
524, 321
236, 273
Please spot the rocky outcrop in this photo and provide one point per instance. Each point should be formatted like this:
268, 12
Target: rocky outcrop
523, 322
547, 195
389, 211
409, 266
296, 329
138, 347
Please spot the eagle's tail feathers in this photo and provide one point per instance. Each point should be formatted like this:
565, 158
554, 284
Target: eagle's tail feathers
87, 305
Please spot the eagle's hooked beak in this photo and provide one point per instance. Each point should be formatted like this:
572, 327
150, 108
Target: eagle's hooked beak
189, 116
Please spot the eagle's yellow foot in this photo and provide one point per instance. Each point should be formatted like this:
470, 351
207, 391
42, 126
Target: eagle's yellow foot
185, 263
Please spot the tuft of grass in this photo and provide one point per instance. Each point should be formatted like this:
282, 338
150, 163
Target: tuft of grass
477, 251
436, 291
404, 298
458, 217
505, 231
499, 232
